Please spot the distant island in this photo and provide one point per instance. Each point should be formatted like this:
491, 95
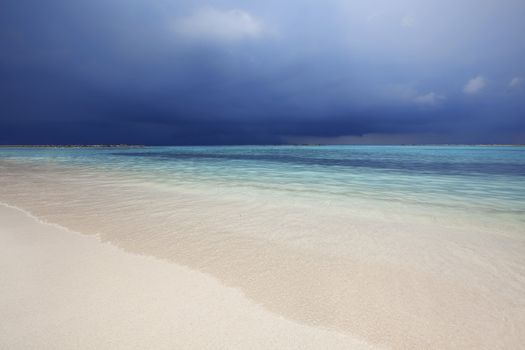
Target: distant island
291, 145
74, 146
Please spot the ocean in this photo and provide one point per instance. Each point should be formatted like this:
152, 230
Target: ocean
480, 183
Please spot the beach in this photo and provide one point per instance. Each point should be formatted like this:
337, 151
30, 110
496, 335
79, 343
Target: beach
246, 175
63, 290
263, 248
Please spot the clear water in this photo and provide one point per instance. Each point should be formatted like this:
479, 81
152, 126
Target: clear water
487, 182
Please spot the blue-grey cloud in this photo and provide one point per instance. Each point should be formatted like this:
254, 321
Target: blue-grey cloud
516, 82
475, 85
212, 72
210, 23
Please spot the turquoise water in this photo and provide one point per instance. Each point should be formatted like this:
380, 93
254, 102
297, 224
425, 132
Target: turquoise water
471, 174
478, 180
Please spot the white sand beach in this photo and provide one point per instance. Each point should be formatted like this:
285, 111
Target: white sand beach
169, 267
63, 290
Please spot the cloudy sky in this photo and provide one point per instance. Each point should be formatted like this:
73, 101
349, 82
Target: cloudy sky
259, 72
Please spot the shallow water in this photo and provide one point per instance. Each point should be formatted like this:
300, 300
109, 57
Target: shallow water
410, 247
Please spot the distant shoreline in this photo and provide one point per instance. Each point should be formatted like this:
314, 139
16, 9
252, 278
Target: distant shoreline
286, 145
73, 146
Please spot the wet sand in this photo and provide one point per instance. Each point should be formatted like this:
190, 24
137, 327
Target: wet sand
63, 290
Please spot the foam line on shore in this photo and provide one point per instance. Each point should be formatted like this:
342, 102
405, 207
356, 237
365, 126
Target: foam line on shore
62, 291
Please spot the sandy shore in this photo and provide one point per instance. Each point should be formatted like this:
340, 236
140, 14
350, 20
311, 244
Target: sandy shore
256, 266
63, 290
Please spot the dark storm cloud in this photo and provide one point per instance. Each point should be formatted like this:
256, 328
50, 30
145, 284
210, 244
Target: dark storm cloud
230, 72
